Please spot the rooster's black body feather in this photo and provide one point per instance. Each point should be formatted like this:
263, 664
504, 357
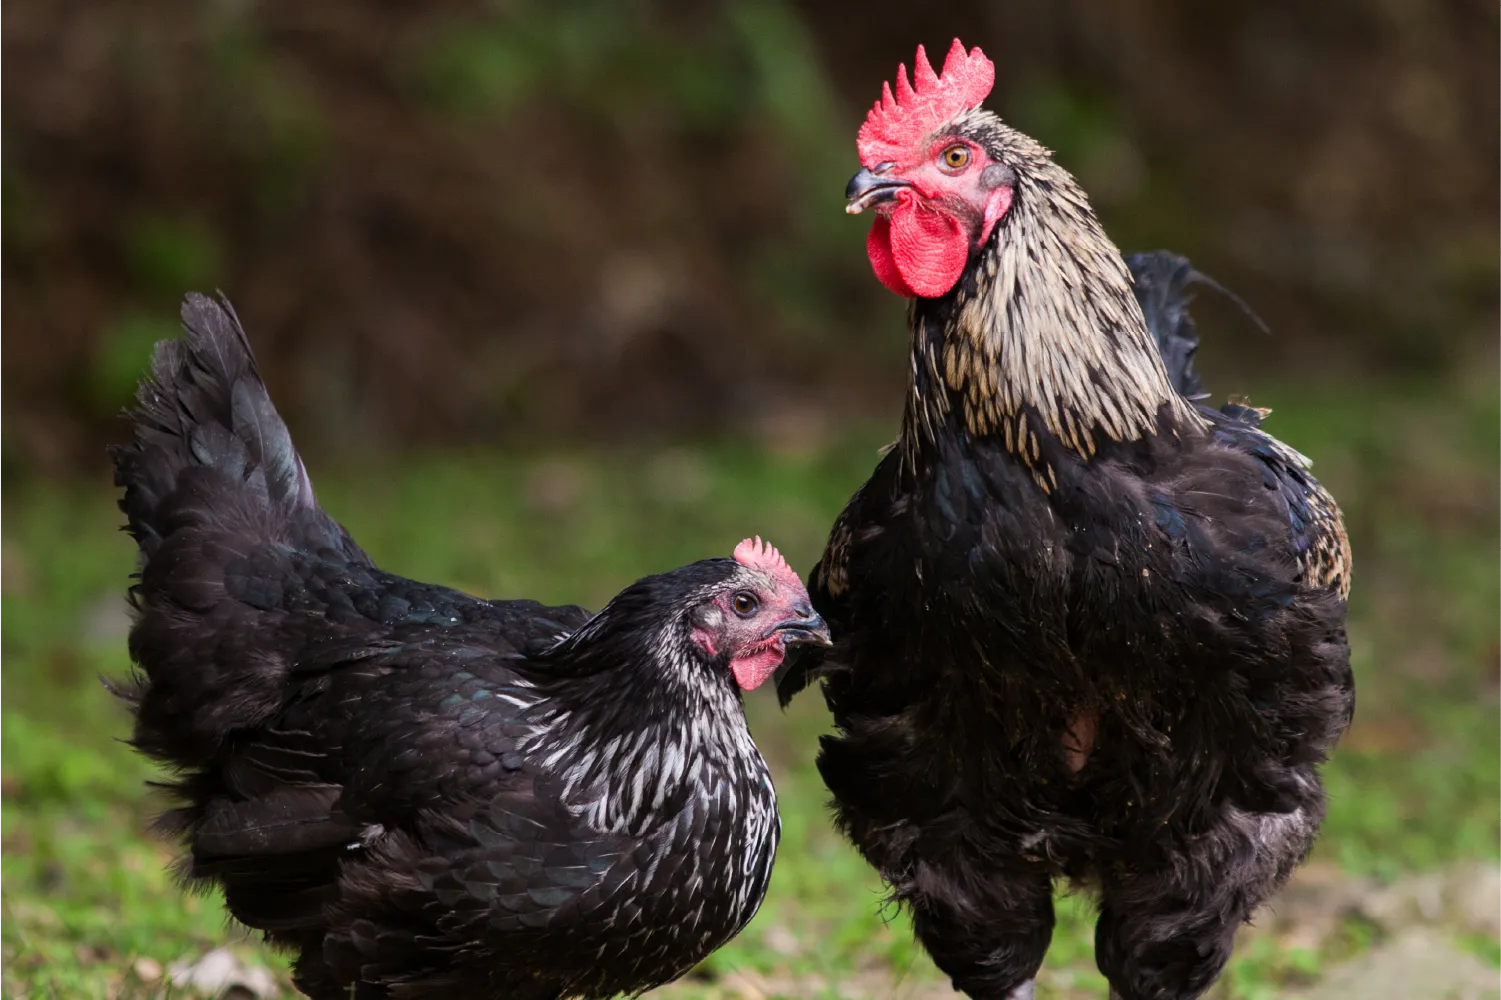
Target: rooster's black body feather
1113, 658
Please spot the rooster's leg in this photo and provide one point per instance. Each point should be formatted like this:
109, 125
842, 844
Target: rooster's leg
987, 930
1165, 933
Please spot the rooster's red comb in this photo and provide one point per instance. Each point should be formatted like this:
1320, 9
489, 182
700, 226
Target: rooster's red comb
896, 123
756, 554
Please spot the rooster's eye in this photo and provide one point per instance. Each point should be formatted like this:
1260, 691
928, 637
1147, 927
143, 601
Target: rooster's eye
745, 603
956, 156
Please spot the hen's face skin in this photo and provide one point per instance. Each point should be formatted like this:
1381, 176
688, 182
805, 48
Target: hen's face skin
752, 620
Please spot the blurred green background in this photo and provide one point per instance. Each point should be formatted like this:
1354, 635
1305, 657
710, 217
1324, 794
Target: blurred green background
556, 295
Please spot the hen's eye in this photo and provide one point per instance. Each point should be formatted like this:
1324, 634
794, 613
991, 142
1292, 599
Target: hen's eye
745, 603
956, 156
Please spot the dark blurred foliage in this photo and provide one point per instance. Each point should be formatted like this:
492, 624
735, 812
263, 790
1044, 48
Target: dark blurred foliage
452, 221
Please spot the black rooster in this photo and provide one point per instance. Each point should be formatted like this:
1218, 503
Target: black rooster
1084, 627
422, 793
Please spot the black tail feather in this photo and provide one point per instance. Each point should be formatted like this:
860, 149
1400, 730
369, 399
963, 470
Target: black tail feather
1161, 281
205, 405
211, 479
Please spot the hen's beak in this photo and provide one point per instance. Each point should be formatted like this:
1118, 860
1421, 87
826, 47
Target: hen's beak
868, 189
805, 627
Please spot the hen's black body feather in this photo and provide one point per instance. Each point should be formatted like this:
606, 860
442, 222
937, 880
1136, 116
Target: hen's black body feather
1174, 603
423, 793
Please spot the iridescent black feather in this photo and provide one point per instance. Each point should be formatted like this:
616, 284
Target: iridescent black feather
422, 793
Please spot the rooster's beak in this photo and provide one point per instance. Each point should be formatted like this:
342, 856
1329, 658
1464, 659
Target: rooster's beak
868, 189
805, 628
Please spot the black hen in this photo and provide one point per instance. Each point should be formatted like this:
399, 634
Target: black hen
422, 793
1084, 627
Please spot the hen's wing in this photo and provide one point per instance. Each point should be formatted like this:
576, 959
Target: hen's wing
441, 797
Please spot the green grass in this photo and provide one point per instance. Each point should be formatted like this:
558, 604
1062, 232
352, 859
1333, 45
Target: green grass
1414, 786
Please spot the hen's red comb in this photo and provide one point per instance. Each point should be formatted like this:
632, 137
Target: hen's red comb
896, 123
756, 554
